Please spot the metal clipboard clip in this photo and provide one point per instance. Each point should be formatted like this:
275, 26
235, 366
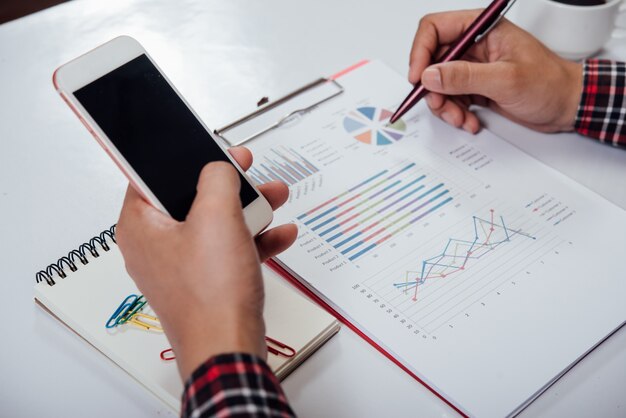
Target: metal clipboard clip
275, 114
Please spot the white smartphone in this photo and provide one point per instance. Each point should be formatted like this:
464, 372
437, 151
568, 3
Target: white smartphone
148, 128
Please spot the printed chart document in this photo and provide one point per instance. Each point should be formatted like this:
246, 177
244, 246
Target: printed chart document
485, 272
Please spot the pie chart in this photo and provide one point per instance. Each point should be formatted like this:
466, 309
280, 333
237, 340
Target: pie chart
370, 125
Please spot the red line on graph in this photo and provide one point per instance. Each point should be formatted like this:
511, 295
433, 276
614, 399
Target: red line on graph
462, 267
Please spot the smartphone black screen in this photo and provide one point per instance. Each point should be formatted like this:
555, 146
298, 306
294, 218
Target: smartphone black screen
155, 131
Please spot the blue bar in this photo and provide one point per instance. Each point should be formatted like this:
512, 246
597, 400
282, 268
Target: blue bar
366, 249
354, 188
440, 185
304, 159
285, 173
430, 201
278, 174
261, 175
310, 221
289, 163
331, 229
368, 180
273, 177
401, 171
326, 222
401, 199
406, 186
286, 165
352, 247
303, 168
360, 253
353, 236
430, 210
334, 237
385, 189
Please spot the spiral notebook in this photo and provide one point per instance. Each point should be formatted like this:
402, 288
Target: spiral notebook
84, 289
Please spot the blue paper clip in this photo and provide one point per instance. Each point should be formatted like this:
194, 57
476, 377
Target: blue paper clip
133, 309
121, 310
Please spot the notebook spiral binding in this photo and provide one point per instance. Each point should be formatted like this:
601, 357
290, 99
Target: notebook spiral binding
80, 254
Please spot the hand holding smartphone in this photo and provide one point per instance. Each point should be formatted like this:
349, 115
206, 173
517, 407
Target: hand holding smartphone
148, 129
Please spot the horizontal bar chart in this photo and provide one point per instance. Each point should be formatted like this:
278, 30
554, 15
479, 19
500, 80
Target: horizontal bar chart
375, 210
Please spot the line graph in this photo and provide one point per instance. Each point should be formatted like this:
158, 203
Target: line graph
458, 253
443, 276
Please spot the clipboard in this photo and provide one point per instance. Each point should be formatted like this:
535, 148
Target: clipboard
273, 115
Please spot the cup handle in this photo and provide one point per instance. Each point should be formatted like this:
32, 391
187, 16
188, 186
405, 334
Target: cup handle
620, 31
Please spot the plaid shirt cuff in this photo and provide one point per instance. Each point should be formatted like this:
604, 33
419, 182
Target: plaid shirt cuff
234, 385
602, 109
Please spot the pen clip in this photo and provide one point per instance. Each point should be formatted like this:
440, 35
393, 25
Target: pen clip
282, 350
499, 18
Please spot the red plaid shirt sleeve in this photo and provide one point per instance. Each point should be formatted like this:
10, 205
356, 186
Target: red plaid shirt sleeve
234, 385
602, 109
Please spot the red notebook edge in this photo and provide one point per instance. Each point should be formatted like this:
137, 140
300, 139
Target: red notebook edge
274, 265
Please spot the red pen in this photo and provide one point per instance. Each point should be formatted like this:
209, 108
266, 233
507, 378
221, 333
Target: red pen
474, 33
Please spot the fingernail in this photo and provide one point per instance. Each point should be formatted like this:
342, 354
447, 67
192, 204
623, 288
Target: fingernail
431, 78
447, 117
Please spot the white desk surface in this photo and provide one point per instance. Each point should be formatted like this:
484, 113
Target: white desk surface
57, 189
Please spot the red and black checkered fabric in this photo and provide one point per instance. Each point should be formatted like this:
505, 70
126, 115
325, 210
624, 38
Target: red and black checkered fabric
234, 385
602, 110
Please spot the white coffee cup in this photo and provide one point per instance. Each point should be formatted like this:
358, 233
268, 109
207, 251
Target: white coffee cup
574, 32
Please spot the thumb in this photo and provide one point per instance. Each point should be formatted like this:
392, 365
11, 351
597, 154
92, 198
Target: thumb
463, 77
217, 191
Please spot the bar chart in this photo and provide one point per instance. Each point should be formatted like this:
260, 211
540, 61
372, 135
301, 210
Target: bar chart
282, 164
376, 210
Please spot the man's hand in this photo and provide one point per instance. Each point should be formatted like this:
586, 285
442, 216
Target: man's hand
509, 71
202, 277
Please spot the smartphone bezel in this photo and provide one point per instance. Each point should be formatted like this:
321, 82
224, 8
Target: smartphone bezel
100, 61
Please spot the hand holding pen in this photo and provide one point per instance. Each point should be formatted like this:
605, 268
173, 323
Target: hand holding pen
508, 71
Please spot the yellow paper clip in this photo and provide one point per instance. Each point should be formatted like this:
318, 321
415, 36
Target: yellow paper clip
146, 322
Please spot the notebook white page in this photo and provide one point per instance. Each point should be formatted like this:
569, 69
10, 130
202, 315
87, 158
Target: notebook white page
85, 300
484, 271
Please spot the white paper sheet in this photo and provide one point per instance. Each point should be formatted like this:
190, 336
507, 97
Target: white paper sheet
483, 270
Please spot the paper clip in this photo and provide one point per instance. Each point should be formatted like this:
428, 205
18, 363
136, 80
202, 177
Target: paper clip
148, 323
282, 350
288, 352
121, 310
135, 308
168, 355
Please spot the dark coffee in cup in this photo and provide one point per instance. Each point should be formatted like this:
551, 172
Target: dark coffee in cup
581, 2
